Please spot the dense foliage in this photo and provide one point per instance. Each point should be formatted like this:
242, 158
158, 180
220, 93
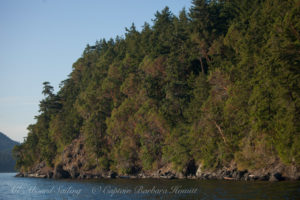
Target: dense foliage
215, 85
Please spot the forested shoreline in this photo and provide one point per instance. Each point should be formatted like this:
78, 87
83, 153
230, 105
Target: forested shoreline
216, 86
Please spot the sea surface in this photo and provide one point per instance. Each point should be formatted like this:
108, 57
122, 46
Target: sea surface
17, 188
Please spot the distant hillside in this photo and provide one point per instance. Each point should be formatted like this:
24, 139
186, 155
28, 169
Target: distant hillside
7, 162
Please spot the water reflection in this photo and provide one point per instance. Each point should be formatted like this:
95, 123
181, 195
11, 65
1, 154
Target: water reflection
33, 188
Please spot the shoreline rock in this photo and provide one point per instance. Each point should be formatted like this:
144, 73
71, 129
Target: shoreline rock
222, 174
73, 159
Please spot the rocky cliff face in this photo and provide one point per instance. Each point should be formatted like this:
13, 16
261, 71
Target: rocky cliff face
74, 164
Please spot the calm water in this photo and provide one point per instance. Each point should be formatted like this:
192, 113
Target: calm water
12, 188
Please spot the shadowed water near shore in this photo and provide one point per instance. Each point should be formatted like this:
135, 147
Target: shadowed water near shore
49, 189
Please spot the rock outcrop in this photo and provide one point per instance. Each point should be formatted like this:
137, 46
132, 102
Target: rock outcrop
74, 159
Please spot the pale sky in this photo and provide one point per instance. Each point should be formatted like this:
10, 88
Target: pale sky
41, 39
